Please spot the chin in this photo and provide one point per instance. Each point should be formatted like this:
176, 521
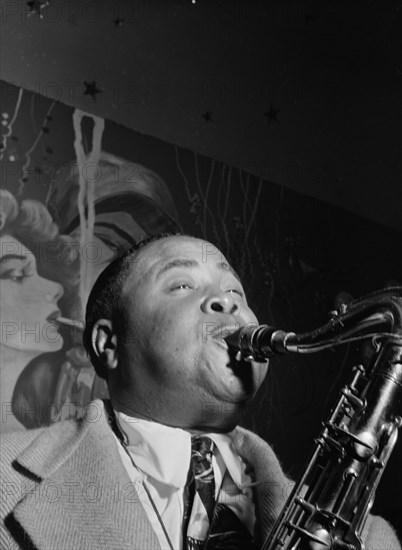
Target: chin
227, 423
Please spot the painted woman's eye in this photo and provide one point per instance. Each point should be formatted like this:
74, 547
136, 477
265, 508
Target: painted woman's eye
12, 275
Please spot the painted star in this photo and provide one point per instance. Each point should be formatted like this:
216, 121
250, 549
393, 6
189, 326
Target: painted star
272, 115
36, 6
92, 90
207, 116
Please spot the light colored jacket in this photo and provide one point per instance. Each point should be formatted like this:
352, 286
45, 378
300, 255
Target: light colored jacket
65, 488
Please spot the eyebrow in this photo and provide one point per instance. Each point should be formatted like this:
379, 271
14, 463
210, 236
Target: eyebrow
189, 264
175, 263
8, 257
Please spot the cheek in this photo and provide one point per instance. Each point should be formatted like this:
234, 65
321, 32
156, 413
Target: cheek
13, 302
173, 339
169, 331
251, 318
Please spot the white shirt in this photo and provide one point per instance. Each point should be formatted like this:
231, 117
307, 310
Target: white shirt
161, 455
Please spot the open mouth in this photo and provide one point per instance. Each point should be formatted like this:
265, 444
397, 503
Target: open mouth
219, 337
221, 333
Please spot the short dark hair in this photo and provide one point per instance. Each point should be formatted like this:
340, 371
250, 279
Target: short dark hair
105, 297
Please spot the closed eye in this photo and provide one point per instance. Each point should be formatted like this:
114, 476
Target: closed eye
236, 291
181, 286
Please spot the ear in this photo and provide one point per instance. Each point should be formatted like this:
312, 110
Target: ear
104, 343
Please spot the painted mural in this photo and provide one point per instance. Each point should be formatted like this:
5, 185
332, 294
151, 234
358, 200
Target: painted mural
77, 190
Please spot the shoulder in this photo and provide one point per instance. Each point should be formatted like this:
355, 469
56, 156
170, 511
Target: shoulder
15, 443
260, 455
253, 447
43, 449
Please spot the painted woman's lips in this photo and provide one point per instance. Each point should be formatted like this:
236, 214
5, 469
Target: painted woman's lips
53, 316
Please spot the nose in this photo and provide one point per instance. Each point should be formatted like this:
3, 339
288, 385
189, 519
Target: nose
54, 291
220, 302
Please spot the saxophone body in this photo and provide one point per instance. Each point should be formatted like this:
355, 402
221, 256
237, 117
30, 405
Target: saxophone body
330, 503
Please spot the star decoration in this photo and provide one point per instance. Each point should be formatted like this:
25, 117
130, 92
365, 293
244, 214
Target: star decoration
36, 6
272, 115
207, 116
118, 22
92, 90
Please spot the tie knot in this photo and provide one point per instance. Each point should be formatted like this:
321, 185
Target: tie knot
202, 445
202, 449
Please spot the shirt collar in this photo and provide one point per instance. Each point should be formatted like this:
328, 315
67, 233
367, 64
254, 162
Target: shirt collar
224, 442
163, 452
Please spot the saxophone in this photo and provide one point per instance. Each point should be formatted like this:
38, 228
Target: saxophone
330, 503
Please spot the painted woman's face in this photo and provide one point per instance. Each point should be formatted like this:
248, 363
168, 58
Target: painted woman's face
28, 301
114, 233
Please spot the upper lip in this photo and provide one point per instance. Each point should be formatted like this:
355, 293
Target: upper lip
53, 316
222, 331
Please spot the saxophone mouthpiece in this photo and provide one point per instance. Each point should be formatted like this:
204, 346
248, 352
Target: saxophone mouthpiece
260, 342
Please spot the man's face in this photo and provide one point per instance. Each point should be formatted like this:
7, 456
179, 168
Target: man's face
174, 365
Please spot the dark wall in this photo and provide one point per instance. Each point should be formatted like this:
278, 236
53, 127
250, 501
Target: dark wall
306, 93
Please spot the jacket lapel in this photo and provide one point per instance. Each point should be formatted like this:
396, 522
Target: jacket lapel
79, 493
272, 487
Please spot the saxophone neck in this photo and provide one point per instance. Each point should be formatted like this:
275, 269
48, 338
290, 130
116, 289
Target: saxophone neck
377, 316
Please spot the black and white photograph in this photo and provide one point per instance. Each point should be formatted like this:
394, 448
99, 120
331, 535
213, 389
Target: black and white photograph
201, 275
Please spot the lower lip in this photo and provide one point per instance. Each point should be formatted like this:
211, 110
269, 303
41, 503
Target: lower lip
53, 326
221, 345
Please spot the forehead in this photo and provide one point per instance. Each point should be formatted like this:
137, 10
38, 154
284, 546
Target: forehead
159, 255
11, 245
12, 251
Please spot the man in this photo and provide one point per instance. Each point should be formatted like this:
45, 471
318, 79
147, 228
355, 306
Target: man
124, 476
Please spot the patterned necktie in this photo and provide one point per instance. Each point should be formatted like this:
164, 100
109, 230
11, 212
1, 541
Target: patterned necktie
217, 525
